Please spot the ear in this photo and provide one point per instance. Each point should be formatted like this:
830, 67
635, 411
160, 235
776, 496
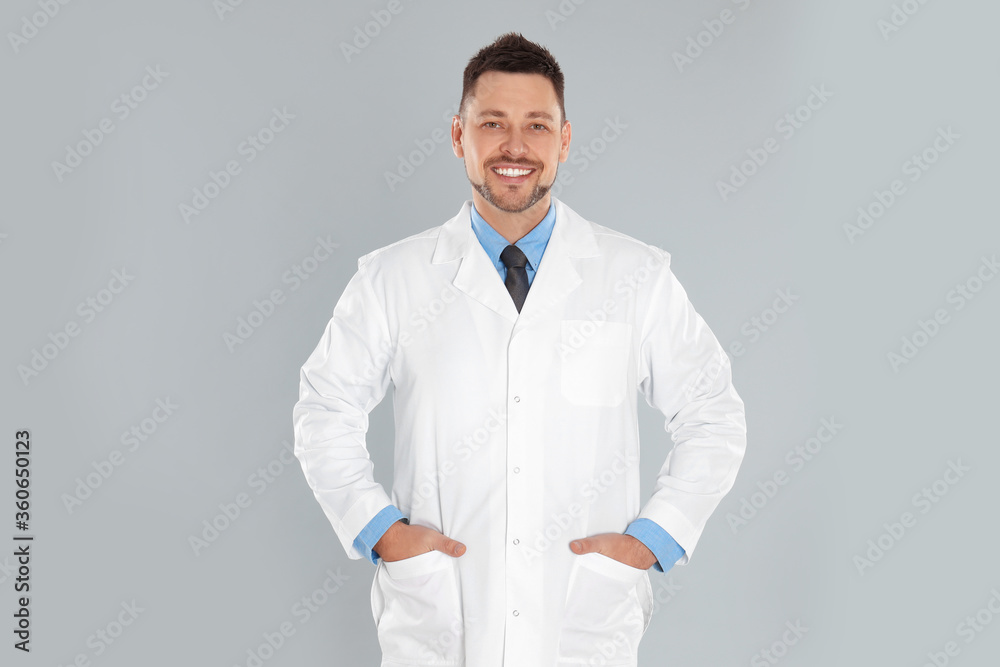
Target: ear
566, 136
457, 134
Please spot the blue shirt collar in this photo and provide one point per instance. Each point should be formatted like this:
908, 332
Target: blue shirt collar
531, 244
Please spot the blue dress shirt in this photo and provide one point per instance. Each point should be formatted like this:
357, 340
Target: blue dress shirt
532, 244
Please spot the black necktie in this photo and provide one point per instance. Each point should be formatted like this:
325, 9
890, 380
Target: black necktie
517, 276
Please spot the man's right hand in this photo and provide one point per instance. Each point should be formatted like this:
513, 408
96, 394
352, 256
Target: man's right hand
405, 541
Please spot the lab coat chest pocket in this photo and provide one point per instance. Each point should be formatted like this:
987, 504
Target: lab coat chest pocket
417, 607
595, 361
608, 608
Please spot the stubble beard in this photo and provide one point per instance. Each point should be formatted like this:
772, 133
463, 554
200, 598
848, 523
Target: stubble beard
504, 201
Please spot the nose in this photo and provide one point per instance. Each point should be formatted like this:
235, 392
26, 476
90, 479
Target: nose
513, 144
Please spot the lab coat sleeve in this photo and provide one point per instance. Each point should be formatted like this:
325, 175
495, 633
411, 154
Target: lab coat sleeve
343, 379
685, 373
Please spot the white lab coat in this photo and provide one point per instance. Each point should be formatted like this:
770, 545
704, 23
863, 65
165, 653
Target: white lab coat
514, 434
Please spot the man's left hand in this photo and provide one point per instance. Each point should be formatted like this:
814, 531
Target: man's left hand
622, 548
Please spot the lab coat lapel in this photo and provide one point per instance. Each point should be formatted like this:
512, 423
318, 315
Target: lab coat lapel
476, 275
557, 275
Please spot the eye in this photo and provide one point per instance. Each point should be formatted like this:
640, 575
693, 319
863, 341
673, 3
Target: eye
539, 125
491, 123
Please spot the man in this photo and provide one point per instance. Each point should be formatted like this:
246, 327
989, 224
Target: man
516, 336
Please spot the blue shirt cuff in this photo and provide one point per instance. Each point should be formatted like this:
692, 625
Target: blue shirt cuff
370, 535
657, 540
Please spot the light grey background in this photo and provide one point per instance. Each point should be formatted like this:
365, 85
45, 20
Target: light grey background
324, 176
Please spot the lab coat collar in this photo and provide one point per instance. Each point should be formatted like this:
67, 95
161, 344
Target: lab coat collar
572, 237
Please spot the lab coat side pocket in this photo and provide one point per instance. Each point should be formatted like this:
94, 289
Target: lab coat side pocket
605, 615
417, 605
595, 362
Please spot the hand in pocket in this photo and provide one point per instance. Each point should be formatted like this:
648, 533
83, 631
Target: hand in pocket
403, 541
622, 548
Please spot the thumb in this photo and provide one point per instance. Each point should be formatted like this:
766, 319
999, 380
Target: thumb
582, 546
451, 547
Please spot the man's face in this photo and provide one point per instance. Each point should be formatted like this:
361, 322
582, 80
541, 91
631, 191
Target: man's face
512, 122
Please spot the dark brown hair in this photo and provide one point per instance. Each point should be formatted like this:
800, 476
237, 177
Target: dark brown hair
514, 54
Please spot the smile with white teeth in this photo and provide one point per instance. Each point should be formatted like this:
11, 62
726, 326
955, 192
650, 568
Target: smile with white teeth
513, 172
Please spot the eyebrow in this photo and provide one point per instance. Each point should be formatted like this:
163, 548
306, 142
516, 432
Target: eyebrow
496, 113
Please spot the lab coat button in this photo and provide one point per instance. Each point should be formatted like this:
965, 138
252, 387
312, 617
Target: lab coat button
515, 612
517, 399
517, 541
516, 470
